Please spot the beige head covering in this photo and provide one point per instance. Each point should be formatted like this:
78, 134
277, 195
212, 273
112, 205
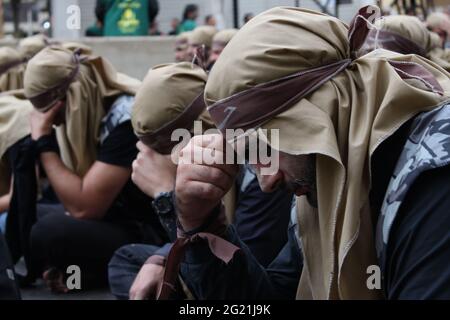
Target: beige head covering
343, 122
167, 91
202, 36
14, 125
438, 54
412, 29
89, 82
181, 41
439, 20
223, 37
30, 46
12, 66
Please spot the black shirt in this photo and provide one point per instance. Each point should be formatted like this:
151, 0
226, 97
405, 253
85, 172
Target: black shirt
418, 253
119, 149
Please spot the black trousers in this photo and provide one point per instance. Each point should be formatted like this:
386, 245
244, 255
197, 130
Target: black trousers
59, 241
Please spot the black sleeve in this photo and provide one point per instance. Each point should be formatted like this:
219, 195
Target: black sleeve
418, 252
153, 10
119, 148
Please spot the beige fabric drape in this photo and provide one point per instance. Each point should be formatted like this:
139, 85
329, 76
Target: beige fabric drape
439, 20
84, 110
202, 36
12, 78
222, 37
343, 122
30, 46
166, 91
14, 125
181, 40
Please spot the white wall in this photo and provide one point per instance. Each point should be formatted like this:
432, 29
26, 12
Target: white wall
131, 55
60, 16
170, 9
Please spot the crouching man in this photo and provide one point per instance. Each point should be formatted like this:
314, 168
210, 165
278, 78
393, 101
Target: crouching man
364, 144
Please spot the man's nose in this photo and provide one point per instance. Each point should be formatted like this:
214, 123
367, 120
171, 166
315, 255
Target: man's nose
271, 183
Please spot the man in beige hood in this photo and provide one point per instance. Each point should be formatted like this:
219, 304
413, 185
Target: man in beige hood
170, 104
199, 45
439, 22
181, 46
406, 35
363, 142
14, 113
219, 43
12, 67
87, 159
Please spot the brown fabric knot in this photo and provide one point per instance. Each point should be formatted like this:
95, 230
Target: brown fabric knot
221, 248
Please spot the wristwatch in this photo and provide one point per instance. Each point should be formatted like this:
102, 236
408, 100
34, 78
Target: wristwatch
165, 209
163, 204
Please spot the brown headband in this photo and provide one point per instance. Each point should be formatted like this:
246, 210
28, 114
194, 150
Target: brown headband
394, 42
411, 70
45, 100
260, 100
161, 139
255, 106
9, 65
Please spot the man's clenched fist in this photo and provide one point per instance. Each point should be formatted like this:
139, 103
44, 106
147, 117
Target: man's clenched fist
153, 173
202, 180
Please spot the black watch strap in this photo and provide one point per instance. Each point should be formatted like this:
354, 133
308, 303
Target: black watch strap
47, 143
167, 218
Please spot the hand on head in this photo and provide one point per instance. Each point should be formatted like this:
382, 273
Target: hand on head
41, 123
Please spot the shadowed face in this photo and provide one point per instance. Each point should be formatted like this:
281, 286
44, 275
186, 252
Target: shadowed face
191, 51
296, 174
215, 54
60, 117
181, 54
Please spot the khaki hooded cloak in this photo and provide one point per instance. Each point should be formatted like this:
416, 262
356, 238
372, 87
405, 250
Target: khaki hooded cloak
14, 125
181, 40
202, 36
414, 30
89, 79
342, 122
167, 91
222, 38
30, 46
12, 66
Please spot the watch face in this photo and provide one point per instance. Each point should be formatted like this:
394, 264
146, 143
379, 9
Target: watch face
163, 204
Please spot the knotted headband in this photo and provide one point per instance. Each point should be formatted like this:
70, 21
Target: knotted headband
395, 42
283, 93
161, 139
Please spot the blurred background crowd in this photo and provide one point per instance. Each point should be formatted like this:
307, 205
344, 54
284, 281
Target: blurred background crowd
170, 17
